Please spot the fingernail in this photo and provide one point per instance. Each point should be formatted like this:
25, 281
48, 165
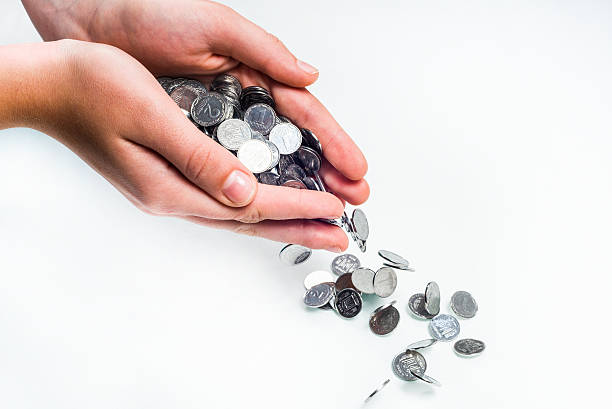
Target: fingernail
307, 68
238, 187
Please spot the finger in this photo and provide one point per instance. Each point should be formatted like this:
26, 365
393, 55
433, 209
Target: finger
307, 112
355, 192
248, 43
309, 233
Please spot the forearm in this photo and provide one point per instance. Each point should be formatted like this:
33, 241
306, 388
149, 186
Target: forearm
57, 19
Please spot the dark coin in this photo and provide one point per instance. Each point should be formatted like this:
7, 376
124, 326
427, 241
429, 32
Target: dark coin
295, 172
254, 95
209, 109
310, 183
344, 281
469, 347
384, 319
416, 303
268, 178
310, 160
296, 184
310, 140
284, 162
348, 303
261, 118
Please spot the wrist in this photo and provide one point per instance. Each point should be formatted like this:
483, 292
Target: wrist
59, 19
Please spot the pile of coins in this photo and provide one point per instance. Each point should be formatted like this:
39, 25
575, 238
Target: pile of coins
245, 122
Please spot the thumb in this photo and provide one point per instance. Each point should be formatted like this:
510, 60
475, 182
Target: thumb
248, 43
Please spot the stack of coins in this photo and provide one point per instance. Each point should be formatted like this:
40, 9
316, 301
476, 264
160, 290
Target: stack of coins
244, 121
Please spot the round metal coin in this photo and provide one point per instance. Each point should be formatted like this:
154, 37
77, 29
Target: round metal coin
275, 154
426, 343
319, 295
432, 298
233, 133
444, 327
268, 178
360, 223
261, 118
384, 319
385, 282
392, 257
348, 303
286, 137
344, 263
416, 304
363, 279
310, 160
407, 363
469, 347
209, 109
463, 304
255, 155
294, 254
318, 277
345, 281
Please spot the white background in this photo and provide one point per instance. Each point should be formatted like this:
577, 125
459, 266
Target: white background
488, 132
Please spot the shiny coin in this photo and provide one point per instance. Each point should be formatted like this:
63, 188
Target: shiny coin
377, 390
186, 93
258, 135
392, 257
385, 282
310, 160
432, 298
416, 304
469, 347
463, 304
345, 281
319, 295
363, 279
286, 137
425, 378
233, 133
284, 162
260, 117
348, 303
406, 364
344, 263
426, 343
210, 109
318, 277
294, 254
255, 155
311, 140
444, 327
384, 319
296, 184
268, 178
275, 154
360, 224
311, 183
399, 266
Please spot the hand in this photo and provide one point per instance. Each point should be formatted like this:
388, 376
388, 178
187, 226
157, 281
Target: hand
200, 38
107, 108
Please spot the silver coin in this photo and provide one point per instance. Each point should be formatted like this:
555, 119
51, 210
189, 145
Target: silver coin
295, 172
360, 224
384, 319
185, 94
406, 364
268, 178
311, 140
425, 378
469, 347
209, 109
309, 158
385, 282
275, 154
432, 298
463, 304
444, 327
362, 245
393, 257
233, 133
363, 279
296, 184
416, 304
344, 263
426, 343
286, 137
319, 295
258, 135
255, 155
399, 266
260, 117
382, 385
294, 254
318, 277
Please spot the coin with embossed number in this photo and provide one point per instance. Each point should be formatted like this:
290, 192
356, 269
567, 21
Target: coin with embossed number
319, 295
406, 364
416, 304
233, 133
294, 254
432, 298
363, 279
348, 303
469, 347
463, 304
385, 282
384, 319
344, 263
260, 117
318, 277
286, 137
444, 327
209, 109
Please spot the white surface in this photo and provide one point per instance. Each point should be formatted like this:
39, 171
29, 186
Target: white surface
487, 129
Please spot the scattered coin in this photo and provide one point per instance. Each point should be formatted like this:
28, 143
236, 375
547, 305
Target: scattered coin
377, 390
426, 343
348, 303
463, 304
318, 277
363, 279
425, 378
469, 347
360, 223
444, 327
319, 295
344, 263
406, 364
416, 304
432, 298
345, 281
294, 254
384, 319
385, 282
255, 155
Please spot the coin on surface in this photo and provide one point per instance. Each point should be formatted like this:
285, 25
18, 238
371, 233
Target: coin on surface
260, 117
345, 281
463, 304
294, 254
469, 347
319, 295
344, 263
363, 279
384, 319
444, 327
385, 282
360, 224
209, 109
426, 343
406, 364
233, 133
348, 303
432, 298
416, 304
286, 137
318, 277
377, 390
255, 155
425, 378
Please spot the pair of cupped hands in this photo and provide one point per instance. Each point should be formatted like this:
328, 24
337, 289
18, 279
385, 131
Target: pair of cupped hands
106, 105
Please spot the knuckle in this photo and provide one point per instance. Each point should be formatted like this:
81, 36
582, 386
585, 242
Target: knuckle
246, 229
197, 163
250, 215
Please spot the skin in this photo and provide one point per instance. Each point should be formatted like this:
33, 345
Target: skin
143, 144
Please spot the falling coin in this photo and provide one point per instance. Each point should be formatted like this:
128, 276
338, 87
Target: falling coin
425, 378
416, 304
463, 304
294, 254
384, 319
385, 282
345, 281
432, 298
406, 364
363, 279
444, 327
360, 223
344, 263
319, 295
393, 258
469, 347
318, 277
348, 303
377, 390
426, 343
405, 267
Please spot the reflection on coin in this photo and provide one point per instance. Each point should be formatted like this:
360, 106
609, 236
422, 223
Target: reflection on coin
296, 184
348, 303
209, 109
392, 257
319, 295
311, 140
406, 364
416, 303
463, 304
384, 319
398, 266
426, 343
344, 263
425, 378
377, 390
275, 154
385, 282
286, 137
360, 224
260, 117
233, 133
318, 277
363, 279
294, 254
255, 155
345, 281
444, 327
469, 347
310, 160
432, 298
